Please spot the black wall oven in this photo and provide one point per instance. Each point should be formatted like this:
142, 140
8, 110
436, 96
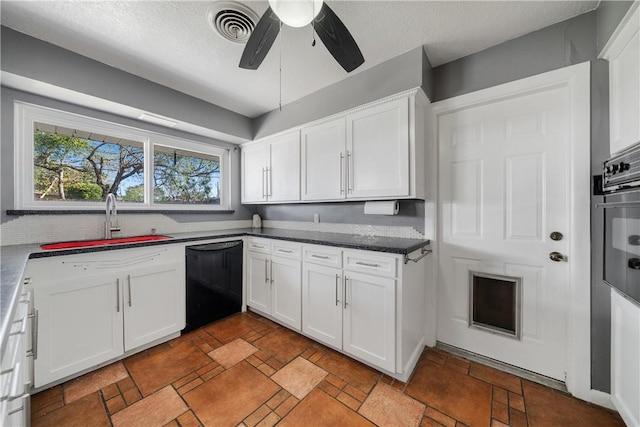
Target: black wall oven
621, 185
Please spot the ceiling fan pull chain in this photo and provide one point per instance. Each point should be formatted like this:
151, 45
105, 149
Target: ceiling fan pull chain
313, 27
280, 44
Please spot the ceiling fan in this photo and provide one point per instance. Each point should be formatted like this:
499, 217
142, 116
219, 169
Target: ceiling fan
298, 13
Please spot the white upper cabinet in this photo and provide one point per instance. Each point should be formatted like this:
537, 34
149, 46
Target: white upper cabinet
254, 165
271, 169
623, 53
323, 161
378, 151
372, 152
284, 168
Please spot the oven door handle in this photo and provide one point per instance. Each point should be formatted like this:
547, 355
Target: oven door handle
613, 205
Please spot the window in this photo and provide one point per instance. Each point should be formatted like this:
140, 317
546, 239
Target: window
67, 161
185, 177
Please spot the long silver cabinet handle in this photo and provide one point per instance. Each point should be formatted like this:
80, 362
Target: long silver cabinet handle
286, 251
341, 172
269, 182
129, 287
264, 192
337, 284
34, 334
271, 271
319, 256
266, 270
344, 295
349, 171
366, 264
118, 295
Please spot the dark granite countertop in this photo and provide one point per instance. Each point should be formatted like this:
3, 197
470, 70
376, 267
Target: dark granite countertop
13, 259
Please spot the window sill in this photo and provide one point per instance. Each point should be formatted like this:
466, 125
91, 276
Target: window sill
21, 212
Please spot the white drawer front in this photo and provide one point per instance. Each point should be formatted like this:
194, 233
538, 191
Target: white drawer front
323, 255
378, 265
259, 245
286, 249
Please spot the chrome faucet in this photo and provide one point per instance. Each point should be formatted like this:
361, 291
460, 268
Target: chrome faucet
111, 214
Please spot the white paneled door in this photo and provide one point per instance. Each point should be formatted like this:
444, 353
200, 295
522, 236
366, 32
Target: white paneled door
505, 179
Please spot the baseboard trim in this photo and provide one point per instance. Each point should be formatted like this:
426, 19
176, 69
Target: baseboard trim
601, 398
522, 373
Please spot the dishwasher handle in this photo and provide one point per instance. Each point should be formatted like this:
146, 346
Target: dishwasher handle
215, 247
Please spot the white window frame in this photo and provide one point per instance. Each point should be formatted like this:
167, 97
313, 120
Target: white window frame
25, 115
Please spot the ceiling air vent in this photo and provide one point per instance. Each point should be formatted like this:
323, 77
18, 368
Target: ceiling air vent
233, 21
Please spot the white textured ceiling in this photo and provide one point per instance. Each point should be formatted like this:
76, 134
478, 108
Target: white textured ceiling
171, 43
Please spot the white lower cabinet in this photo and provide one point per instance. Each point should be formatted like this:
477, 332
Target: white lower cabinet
258, 285
625, 358
16, 378
286, 291
273, 280
358, 313
369, 319
150, 310
322, 303
80, 325
107, 304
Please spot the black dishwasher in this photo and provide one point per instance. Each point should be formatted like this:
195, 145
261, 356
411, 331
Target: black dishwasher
214, 282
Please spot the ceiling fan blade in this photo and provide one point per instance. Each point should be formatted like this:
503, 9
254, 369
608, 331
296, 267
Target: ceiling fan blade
260, 41
337, 39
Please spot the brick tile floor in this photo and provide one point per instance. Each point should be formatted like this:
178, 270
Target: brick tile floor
248, 371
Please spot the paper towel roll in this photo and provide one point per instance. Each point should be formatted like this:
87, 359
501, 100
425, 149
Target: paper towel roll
387, 207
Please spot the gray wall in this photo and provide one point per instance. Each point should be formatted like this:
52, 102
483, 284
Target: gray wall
29, 57
600, 292
609, 15
6, 153
401, 73
566, 43
410, 214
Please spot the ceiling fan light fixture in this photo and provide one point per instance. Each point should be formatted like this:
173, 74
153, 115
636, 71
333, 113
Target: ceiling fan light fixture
296, 13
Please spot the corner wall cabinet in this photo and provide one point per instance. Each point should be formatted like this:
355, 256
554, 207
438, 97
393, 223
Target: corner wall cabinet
271, 169
107, 304
273, 279
375, 151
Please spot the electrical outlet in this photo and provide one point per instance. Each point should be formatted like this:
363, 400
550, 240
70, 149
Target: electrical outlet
316, 218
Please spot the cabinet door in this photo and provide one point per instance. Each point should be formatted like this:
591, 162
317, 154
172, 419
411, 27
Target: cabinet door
254, 158
154, 303
378, 151
286, 291
625, 353
79, 326
322, 303
369, 319
258, 284
284, 168
623, 54
323, 161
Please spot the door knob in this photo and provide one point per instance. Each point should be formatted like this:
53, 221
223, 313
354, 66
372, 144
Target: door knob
556, 256
556, 235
